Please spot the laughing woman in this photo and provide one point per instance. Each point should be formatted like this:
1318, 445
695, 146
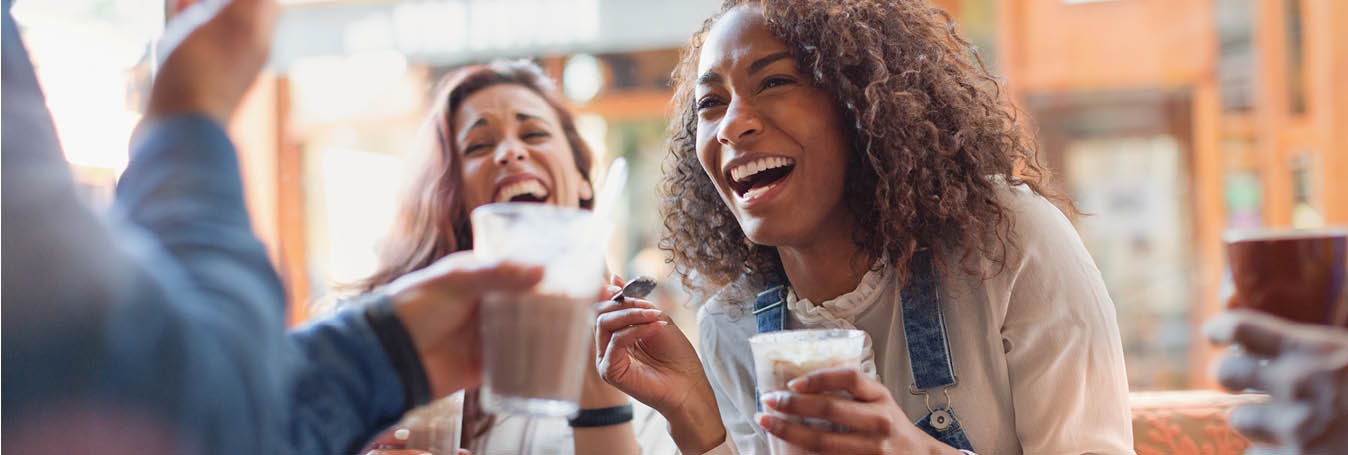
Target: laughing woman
501, 133
849, 164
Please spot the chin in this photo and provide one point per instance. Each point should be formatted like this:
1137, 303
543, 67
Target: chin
763, 232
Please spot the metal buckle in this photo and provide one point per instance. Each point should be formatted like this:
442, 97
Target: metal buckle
926, 397
766, 308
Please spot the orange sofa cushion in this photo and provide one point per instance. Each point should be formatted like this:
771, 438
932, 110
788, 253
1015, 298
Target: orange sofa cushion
1191, 422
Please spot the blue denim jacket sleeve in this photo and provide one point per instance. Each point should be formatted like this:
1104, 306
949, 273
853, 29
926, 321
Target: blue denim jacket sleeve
167, 312
339, 385
347, 389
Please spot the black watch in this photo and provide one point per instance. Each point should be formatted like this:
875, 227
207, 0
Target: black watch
602, 417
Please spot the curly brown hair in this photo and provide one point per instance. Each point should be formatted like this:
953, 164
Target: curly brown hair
929, 133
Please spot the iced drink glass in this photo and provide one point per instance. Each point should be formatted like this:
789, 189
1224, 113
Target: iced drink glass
782, 356
535, 342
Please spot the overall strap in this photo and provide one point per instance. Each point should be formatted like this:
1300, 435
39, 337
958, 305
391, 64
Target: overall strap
929, 351
924, 326
770, 309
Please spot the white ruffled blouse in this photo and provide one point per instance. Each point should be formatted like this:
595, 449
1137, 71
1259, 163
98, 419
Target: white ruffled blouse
1035, 347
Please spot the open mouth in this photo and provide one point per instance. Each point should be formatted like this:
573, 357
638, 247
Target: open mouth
528, 190
754, 177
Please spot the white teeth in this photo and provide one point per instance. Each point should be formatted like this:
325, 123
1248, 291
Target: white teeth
755, 192
746, 170
530, 187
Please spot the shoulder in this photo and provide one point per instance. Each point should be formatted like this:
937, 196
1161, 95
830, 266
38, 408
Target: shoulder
1035, 224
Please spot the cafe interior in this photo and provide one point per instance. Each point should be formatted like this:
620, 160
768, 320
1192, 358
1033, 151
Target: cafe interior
1170, 124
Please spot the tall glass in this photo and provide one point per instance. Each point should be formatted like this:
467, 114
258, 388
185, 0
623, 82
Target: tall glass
782, 356
535, 342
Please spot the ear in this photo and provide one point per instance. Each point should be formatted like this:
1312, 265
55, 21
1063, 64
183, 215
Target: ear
586, 191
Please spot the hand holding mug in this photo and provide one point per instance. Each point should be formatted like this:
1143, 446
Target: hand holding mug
1303, 368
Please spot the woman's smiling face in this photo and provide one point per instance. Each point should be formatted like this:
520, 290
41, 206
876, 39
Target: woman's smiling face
514, 149
771, 141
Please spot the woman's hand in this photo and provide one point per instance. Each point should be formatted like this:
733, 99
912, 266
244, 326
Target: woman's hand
877, 424
641, 352
1303, 368
438, 305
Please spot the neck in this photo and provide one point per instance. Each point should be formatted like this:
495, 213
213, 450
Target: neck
828, 267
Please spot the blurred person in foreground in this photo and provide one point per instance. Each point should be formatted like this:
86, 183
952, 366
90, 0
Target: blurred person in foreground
500, 132
160, 329
850, 164
1304, 370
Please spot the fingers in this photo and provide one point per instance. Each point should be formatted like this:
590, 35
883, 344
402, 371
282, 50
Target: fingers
616, 359
818, 441
846, 379
463, 268
1275, 423
852, 414
609, 292
1259, 334
607, 306
505, 276
612, 322
1240, 372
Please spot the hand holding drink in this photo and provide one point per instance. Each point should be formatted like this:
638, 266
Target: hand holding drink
780, 357
817, 400
1288, 323
536, 341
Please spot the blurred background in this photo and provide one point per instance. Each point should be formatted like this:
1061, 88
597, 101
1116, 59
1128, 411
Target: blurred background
1170, 121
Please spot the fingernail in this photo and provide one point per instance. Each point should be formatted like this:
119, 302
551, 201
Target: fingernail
651, 313
768, 422
771, 399
798, 384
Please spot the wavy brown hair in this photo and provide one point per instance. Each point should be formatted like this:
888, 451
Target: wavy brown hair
432, 220
929, 132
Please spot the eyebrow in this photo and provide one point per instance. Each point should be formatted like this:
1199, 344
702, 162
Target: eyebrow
524, 117
712, 77
758, 65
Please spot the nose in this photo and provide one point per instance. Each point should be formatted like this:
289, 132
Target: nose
509, 150
741, 122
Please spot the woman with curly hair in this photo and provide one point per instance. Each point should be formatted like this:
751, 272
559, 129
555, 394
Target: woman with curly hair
499, 132
850, 164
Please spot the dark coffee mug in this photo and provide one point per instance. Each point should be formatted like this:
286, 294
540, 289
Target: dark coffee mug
1294, 274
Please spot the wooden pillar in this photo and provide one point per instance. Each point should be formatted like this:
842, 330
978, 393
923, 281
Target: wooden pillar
290, 210
1209, 220
1327, 103
1010, 52
1271, 115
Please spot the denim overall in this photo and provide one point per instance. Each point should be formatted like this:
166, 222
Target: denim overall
928, 350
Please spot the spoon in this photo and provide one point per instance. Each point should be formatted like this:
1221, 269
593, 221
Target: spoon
638, 288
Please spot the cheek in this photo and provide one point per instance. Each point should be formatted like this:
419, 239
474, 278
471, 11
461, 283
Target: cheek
476, 183
709, 156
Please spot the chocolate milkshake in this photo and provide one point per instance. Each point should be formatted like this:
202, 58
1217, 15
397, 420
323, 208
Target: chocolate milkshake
535, 347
